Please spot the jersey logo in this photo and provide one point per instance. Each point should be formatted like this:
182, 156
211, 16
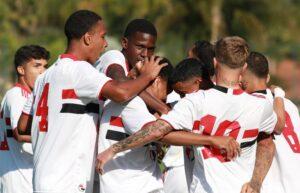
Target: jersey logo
81, 188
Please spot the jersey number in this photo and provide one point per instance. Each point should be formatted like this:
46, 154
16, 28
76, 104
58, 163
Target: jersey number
231, 127
290, 135
42, 109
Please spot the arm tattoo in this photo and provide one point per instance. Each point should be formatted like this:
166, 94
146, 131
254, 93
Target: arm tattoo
151, 132
264, 156
116, 72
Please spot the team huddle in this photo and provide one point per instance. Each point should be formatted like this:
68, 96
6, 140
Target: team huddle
99, 122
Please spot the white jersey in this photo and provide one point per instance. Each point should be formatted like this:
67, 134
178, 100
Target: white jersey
131, 171
64, 126
223, 112
16, 160
112, 57
285, 169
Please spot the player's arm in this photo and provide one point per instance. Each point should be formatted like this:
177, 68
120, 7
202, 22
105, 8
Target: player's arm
264, 156
124, 91
278, 106
21, 138
185, 138
149, 133
24, 124
116, 72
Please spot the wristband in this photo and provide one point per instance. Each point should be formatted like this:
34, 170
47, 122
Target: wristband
278, 92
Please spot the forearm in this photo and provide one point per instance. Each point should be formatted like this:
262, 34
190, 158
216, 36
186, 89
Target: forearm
24, 124
151, 132
264, 156
185, 138
278, 106
21, 138
154, 103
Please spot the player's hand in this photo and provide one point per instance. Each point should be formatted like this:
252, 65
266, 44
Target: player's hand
228, 144
103, 158
251, 187
150, 67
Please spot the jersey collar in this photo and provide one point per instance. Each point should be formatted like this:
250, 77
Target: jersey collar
23, 87
225, 90
70, 56
260, 91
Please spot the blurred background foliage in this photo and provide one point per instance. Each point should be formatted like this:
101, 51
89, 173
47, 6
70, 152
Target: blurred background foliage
270, 27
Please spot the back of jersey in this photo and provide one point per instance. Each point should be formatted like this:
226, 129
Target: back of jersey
223, 112
228, 112
64, 126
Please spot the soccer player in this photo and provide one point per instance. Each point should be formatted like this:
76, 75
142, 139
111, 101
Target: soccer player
224, 110
138, 43
189, 76
133, 171
285, 168
64, 112
15, 150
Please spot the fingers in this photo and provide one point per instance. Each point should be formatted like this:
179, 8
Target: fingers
244, 188
229, 150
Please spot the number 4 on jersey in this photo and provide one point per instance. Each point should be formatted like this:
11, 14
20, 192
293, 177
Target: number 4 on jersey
42, 109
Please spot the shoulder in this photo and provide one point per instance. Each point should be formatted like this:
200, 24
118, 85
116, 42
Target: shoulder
13, 95
136, 103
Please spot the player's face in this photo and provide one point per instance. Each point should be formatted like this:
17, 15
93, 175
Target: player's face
159, 89
138, 47
32, 69
187, 87
98, 43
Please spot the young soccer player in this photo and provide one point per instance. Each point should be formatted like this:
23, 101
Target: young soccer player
138, 43
282, 176
15, 149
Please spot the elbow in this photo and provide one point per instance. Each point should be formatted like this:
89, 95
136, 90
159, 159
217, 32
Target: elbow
156, 135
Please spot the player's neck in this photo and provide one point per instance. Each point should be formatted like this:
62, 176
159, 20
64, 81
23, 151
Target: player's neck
228, 79
259, 85
76, 50
22, 82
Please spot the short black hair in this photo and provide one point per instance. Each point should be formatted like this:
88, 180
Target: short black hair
27, 52
189, 68
258, 64
205, 52
140, 25
79, 23
167, 71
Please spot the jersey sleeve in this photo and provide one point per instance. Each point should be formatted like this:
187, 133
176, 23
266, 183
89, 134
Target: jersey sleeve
269, 119
15, 104
109, 58
88, 81
28, 106
182, 116
135, 115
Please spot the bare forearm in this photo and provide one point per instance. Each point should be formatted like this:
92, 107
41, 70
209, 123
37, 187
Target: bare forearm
278, 106
264, 156
154, 103
184, 138
151, 132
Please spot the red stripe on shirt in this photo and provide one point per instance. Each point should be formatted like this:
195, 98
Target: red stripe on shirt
250, 133
69, 94
70, 56
237, 91
116, 121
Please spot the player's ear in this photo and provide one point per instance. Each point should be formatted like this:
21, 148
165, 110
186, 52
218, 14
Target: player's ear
124, 42
245, 67
268, 78
21, 70
215, 62
87, 38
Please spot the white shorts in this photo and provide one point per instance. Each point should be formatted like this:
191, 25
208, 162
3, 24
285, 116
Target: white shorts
175, 181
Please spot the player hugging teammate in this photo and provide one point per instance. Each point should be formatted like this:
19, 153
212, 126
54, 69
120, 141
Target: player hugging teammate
226, 131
